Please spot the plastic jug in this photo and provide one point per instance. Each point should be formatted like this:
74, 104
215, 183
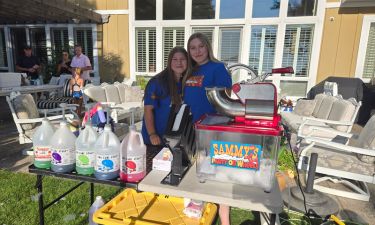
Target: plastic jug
63, 149
133, 157
42, 146
99, 202
107, 149
85, 152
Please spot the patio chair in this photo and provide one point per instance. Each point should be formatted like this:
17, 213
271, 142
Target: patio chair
352, 165
27, 117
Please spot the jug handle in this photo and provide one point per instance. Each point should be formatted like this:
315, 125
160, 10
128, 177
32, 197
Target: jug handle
139, 135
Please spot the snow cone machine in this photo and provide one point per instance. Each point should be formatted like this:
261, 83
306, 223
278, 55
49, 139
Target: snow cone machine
241, 144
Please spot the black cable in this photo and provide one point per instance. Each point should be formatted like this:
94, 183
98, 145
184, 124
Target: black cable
288, 136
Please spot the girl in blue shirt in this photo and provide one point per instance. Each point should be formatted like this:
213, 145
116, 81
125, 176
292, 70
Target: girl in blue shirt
161, 92
207, 72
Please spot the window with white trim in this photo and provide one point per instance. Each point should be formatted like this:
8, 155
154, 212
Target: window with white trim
229, 44
3, 52
59, 40
297, 48
203, 9
145, 39
172, 37
83, 36
369, 66
262, 48
208, 31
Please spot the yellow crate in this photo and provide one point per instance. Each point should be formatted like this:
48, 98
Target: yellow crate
146, 208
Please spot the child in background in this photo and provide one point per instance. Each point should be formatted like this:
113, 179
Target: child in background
76, 85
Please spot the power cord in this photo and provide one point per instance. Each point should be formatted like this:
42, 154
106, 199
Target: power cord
288, 137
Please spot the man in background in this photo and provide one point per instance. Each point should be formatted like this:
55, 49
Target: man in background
81, 61
29, 64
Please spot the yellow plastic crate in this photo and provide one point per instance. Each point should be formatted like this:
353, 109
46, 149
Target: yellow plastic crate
146, 208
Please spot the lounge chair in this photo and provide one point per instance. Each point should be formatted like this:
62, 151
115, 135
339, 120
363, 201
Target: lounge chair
352, 164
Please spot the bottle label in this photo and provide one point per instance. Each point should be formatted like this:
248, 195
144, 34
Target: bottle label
42, 153
107, 163
85, 159
62, 156
134, 165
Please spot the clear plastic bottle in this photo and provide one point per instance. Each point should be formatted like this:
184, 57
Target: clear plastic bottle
63, 149
107, 159
42, 146
85, 152
133, 157
99, 202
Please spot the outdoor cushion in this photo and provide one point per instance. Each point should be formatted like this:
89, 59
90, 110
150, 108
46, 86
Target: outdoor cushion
341, 161
318, 101
366, 139
121, 90
25, 108
342, 110
96, 93
304, 107
112, 94
133, 93
325, 107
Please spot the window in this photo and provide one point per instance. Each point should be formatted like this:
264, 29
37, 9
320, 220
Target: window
145, 9
262, 48
173, 9
145, 51
208, 31
293, 88
83, 37
302, 7
3, 52
230, 39
369, 66
172, 37
297, 48
266, 8
203, 9
60, 40
39, 44
230, 9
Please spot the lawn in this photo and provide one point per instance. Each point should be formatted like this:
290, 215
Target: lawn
19, 206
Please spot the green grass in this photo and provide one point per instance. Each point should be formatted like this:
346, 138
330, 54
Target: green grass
18, 204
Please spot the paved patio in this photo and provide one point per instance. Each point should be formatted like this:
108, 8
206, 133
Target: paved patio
11, 158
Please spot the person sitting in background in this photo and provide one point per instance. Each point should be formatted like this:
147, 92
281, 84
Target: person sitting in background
64, 64
81, 61
75, 87
29, 64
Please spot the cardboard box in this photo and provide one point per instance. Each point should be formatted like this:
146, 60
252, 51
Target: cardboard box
163, 160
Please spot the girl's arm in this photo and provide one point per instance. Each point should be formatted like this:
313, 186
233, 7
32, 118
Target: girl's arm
150, 124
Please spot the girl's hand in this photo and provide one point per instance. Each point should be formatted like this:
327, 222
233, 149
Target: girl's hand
155, 139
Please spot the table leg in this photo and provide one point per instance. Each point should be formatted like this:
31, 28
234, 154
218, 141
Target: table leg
39, 186
271, 219
91, 193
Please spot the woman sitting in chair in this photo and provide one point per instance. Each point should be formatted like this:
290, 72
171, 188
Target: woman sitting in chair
75, 87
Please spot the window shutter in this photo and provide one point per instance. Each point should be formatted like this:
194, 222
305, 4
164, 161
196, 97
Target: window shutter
3, 52
84, 38
369, 67
60, 41
172, 37
297, 48
145, 49
38, 42
230, 45
208, 31
262, 48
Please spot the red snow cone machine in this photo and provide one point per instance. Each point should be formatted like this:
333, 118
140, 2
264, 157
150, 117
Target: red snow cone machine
240, 144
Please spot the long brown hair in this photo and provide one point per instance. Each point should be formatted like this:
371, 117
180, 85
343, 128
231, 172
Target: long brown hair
204, 39
167, 77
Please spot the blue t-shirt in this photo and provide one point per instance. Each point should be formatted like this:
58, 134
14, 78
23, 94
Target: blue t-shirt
158, 97
211, 74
